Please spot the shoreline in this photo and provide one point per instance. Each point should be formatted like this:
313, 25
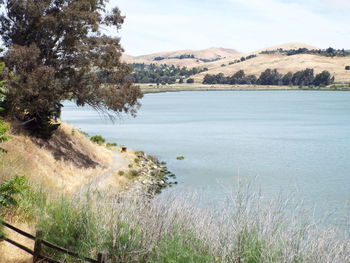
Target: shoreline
152, 88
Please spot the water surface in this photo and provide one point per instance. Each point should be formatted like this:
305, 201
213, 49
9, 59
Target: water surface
283, 141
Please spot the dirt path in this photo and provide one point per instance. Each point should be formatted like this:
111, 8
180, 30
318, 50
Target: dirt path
119, 162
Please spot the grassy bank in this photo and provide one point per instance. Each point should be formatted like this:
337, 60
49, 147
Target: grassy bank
153, 88
131, 228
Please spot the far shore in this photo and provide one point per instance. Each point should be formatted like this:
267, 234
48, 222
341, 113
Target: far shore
153, 88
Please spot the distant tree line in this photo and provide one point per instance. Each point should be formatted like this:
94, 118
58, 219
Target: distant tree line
242, 59
273, 77
206, 60
162, 74
329, 52
184, 56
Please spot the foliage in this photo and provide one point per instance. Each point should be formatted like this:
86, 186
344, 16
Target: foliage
183, 56
3, 126
180, 158
190, 81
2, 86
68, 226
270, 77
3, 137
329, 52
182, 248
111, 144
242, 59
10, 190
323, 79
273, 77
347, 67
164, 74
98, 139
49, 60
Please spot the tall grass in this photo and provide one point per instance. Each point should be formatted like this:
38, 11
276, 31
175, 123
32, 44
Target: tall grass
246, 228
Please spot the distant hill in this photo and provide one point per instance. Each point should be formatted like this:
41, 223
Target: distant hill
187, 58
221, 60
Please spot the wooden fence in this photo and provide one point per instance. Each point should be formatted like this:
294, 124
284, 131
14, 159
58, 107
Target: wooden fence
39, 243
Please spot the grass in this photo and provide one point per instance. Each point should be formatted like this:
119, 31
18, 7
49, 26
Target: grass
245, 228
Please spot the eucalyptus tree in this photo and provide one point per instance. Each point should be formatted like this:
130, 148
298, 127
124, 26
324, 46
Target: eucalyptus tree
57, 50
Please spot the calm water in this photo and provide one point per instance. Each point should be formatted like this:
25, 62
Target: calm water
282, 141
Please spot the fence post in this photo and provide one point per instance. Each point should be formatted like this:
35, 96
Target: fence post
37, 246
102, 258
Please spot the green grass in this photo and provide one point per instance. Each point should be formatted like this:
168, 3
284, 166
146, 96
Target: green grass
181, 248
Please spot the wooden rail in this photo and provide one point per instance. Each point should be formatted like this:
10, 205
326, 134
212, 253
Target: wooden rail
39, 243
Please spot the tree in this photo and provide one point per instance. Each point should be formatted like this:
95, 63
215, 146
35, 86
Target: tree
323, 79
55, 49
238, 77
190, 81
270, 77
181, 80
287, 79
303, 77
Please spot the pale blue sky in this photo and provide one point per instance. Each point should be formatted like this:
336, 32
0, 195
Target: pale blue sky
245, 25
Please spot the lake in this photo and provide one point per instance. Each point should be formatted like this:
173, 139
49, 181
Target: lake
280, 141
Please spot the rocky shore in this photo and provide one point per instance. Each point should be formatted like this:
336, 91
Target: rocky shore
149, 175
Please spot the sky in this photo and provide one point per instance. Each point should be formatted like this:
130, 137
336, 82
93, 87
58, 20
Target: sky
245, 25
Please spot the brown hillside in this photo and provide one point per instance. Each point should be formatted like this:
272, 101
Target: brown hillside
61, 164
210, 53
284, 64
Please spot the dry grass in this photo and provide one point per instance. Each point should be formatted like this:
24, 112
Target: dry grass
244, 228
210, 53
285, 64
62, 164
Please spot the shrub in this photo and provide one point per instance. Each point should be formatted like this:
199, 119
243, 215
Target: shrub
3, 137
10, 190
180, 158
121, 173
347, 67
190, 81
98, 139
133, 173
111, 144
